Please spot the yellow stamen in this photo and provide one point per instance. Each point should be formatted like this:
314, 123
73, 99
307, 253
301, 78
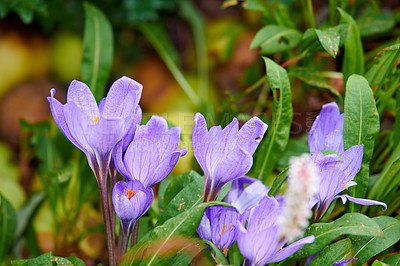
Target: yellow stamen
230, 226
345, 185
129, 193
94, 120
280, 248
223, 229
224, 251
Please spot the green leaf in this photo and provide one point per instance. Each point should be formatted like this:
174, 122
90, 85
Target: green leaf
142, 11
379, 263
371, 24
48, 259
331, 38
338, 251
220, 257
98, 49
313, 78
393, 260
368, 247
165, 240
278, 182
361, 125
278, 132
25, 214
8, 226
384, 62
274, 39
353, 58
189, 196
354, 224
386, 182
178, 183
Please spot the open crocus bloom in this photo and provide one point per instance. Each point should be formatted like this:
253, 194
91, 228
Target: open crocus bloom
336, 174
219, 225
97, 129
131, 200
336, 171
260, 243
225, 155
152, 154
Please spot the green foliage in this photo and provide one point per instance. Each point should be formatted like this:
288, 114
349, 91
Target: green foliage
350, 224
8, 226
313, 78
98, 43
49, 259
368, 247
274, 39
353, 60
278, 132
338, 251
372, 24
24, 8
361, 125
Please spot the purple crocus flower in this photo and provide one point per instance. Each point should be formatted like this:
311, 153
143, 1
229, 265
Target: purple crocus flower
225, 155
152, 154
97, 129
260, 243
336, 171
219, 225
326, 132
246, 192
131, 200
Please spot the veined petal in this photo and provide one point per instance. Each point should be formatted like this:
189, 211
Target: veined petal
204, 228
236, 164
127, 139
119, 91
80, 94
324, 124
199, 142
251, 134
291, 249
352, 159
344, 198
118, 160
165, 167
79, 125
57, 110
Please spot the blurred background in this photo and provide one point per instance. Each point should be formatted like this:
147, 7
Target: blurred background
174, 48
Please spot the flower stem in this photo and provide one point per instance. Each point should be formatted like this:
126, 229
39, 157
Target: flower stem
135, 231
107, 219
311, 14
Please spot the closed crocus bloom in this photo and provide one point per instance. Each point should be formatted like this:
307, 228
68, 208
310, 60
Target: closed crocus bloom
131, 200
225, 154
152, 154
97, 129
336, 175
219, 225
326, 132
260, 243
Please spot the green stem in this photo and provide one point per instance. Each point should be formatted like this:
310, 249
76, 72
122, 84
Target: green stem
311, 13
172, 66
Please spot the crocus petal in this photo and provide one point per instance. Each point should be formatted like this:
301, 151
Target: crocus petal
165, 167
57, 110
137, 118
152, 154
101, 105
204, 228
236, 164
343, 262
80, 94
291, 249
250, 196
352, 159
199, 142
119, 91
324, 124
79, 125
344, 198
251, 134
118, 159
